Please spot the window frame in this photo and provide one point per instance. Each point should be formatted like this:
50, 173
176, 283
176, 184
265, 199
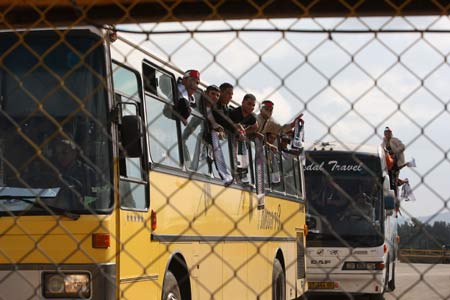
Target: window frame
140, 105
154, 96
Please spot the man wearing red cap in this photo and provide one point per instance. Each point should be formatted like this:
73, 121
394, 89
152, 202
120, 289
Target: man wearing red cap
268, 124
186, 89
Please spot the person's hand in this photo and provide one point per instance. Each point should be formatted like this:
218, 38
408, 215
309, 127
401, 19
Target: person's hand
240, 128
241, 132
299, 118
259, 135
272, 148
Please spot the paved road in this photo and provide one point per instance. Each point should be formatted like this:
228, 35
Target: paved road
414, 282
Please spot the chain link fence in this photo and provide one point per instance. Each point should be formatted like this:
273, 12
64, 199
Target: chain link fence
351, 67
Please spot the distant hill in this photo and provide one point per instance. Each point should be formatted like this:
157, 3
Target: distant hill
445, 217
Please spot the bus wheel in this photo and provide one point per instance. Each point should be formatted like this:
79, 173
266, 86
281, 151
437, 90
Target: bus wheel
278, 282
391, 283
376, 297
171, 289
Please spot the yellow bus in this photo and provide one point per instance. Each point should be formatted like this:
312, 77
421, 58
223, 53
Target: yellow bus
99, 198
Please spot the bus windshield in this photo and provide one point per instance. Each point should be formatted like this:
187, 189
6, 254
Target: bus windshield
54, 145
344, 201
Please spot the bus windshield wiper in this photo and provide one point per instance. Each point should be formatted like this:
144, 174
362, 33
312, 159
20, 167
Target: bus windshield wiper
36, 201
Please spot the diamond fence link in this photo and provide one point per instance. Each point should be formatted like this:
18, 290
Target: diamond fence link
109, 191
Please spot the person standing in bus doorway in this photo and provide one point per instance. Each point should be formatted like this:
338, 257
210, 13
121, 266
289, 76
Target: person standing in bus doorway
186, 88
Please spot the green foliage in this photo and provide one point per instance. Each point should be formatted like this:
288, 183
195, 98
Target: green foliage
418, 235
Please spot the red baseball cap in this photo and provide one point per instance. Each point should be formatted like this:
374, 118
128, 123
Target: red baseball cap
192, 73
267, 103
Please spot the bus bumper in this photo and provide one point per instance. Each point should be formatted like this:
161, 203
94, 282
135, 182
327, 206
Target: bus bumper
25, 281
353, 283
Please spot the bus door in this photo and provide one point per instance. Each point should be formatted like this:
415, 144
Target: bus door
134, 232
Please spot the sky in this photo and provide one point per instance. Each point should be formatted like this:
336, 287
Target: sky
349, 86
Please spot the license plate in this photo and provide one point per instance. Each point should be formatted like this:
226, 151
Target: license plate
320, 285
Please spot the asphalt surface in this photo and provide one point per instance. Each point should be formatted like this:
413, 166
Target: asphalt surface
413, 282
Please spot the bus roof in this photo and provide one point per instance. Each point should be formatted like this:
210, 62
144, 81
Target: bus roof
344, 147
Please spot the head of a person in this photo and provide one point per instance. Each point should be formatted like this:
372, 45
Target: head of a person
285, 140
226, 93
213, 92
271, 138
266, 109
191, 80
65, 151
248, 104
387, 133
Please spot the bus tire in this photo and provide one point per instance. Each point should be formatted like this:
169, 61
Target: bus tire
278, 282
376, 296
171, 288
391, 283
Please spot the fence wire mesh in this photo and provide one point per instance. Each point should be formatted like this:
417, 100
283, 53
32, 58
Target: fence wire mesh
94, 207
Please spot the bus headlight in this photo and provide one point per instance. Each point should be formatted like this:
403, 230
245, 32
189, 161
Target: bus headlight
363, 265
61, 285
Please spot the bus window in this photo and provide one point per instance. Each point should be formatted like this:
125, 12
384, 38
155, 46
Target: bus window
298, 179
288, 173
158, 83
132, 165
162, 133
132, 175
251, 161
125, 82
194, 146
277, 185
241, 157
267, 169
225, 146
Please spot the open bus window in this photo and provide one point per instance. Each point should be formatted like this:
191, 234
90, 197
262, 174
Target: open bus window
195, 148
276, 180
162, 134
225, 147
158, 83
289, 176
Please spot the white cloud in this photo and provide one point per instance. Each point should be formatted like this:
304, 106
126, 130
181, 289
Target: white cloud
373, 80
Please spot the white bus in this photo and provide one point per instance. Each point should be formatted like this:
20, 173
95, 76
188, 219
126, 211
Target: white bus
352, 241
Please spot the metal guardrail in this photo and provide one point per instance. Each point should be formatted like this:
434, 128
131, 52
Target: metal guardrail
424, 256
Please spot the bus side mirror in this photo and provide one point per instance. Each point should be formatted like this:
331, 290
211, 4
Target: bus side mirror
131, 135
389, 201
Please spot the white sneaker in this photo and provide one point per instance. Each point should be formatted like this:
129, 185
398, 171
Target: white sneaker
412, 163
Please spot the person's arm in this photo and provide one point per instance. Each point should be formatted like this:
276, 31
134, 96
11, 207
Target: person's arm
288, 126
223, 120
272, 147
251, 128
212, 120
398, 145
190, 127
